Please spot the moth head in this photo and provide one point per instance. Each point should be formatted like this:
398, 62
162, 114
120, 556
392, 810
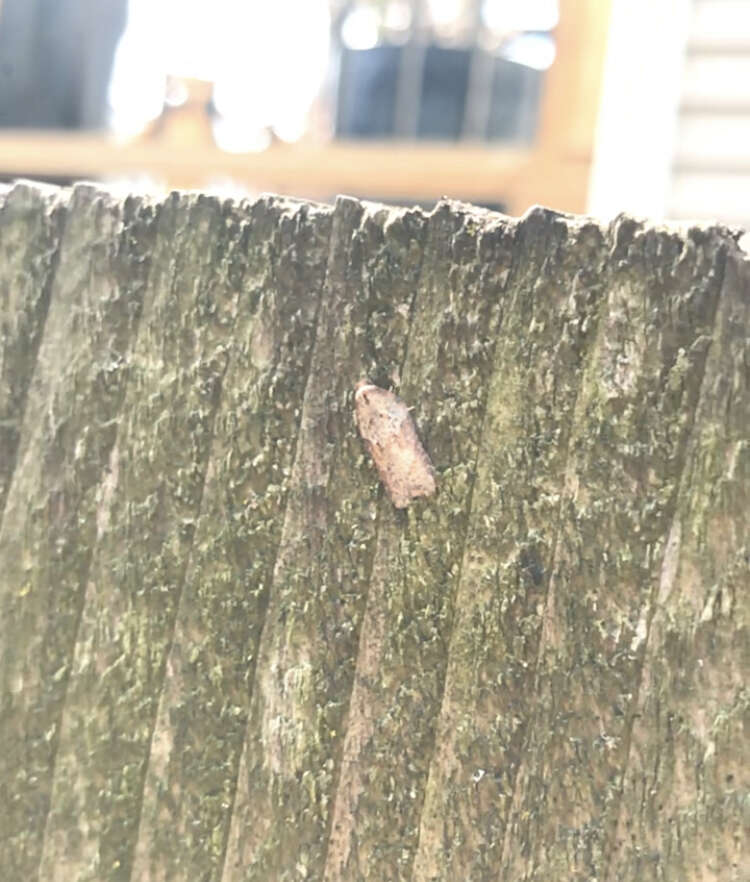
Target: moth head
362, 390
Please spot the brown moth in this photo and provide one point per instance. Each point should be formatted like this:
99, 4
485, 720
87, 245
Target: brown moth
389, 433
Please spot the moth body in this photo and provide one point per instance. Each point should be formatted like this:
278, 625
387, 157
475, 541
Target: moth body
391, 438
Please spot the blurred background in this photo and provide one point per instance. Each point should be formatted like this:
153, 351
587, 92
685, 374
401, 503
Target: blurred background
581, 105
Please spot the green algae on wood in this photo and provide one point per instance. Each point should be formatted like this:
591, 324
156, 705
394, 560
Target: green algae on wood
145, 524
31, 226
50, 520
200, 728
685, 785
632, 423
406, 629
539, 672
309, 645
549, 320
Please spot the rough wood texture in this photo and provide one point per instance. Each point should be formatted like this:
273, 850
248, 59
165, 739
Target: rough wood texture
31, 224
225, 655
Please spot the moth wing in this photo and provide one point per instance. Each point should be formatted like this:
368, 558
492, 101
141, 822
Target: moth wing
390, 435
407, 470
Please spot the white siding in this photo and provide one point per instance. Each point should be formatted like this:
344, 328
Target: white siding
638, 114
711, 169
716, 79
707, 141
723, 24
711, 196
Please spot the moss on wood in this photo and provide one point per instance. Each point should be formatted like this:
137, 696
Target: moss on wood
226, 656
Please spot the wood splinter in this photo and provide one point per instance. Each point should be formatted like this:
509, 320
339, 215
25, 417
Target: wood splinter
389, 433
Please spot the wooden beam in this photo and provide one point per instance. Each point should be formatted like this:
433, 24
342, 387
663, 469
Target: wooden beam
569, 111
389, 170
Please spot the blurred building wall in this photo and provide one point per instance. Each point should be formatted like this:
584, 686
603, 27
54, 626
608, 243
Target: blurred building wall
673, 138
710, 173
55, 61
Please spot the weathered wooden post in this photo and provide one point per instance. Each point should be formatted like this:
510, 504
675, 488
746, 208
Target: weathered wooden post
227, 656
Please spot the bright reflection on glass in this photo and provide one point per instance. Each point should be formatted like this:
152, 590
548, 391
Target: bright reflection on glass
360, 29
137, 87
444, 13
532, 50
266, 59
520, 15
176, 94
397, 16
274, 65
235, 135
